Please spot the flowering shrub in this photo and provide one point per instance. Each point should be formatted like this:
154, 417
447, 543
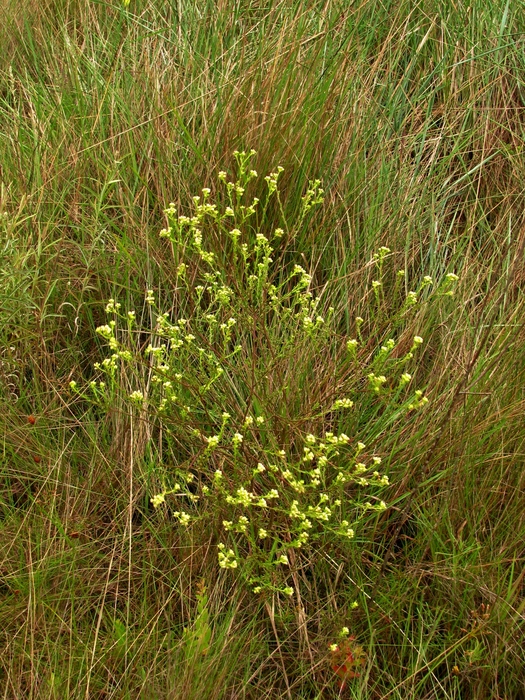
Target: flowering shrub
225, 374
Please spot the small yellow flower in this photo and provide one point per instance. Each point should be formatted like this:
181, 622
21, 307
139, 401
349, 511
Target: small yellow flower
158, 500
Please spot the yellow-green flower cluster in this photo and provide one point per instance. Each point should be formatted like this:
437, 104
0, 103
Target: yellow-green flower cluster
227, 559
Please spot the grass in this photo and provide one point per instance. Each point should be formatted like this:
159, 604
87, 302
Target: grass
412, 115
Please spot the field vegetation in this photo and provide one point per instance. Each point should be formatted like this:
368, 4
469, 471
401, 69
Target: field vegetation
262, 282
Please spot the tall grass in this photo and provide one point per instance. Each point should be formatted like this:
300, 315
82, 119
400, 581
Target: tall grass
412, 115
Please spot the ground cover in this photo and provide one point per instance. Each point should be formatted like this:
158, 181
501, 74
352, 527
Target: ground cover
317, 365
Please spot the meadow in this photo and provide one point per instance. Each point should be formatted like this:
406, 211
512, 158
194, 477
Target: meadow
262, 283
